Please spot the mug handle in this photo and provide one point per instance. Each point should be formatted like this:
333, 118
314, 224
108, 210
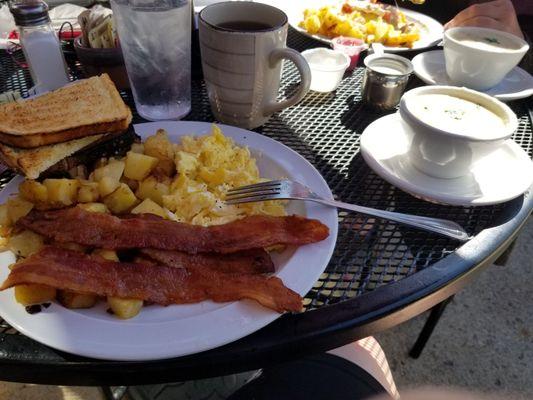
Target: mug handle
305, 79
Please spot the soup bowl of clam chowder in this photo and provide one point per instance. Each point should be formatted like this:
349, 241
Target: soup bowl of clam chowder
450, 128
479, 58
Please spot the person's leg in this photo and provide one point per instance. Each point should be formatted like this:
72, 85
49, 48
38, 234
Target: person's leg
356, 371
352, 372
368, 354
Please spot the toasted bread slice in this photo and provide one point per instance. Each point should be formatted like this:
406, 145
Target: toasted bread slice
57, 159
84, 108
32, 162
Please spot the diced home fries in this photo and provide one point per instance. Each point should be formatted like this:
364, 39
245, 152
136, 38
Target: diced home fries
374, 23
184, 182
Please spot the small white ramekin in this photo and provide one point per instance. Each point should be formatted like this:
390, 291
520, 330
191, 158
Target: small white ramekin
327, 68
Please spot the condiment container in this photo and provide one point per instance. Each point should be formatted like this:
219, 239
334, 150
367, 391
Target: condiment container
352, 47
40, 45
327, 68
445, 141
385, 80
98, 61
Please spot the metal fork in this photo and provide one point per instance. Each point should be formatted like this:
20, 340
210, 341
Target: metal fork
285, 189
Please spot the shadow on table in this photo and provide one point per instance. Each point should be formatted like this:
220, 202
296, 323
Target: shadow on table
370, 252
312, 99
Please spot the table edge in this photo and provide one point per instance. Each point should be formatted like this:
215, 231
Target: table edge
289, 337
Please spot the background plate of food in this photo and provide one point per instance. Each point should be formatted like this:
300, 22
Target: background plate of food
398, 29
208, 158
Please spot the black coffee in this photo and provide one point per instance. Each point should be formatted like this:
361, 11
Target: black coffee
246, 26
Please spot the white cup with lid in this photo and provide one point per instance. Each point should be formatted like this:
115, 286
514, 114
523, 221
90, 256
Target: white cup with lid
327, 68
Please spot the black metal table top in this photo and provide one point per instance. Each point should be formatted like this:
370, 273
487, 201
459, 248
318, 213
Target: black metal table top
380, 274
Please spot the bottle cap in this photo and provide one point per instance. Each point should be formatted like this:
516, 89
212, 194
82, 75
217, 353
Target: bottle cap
30, 13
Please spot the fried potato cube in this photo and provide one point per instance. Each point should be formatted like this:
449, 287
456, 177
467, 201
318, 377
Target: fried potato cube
122, 308
329, 18
62, 191
381, 31
152, 189
132, 183
33, 191
114, 170
25, 243
139, 166
110, 255
17, 208
312, 24
74, 300
121, 200
160, 147
4, 237
94, 207
342, 28
5, 221
149, 207
88, 192
125, 308
137, 148
107, 185
34, 294
396, 38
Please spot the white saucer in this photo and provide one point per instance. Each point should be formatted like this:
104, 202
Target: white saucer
430, 67
503, 175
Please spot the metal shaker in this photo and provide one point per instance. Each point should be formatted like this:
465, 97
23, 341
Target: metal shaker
385, 80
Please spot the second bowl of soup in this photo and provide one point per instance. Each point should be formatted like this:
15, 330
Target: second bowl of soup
479, 58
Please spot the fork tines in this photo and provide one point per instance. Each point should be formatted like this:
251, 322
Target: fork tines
256, 192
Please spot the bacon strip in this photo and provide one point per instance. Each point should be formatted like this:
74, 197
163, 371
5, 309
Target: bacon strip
139, 231
71, 270
254, 261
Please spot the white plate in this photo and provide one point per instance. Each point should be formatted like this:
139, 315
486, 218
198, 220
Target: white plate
431, 30
164, 332
503, 175
431, 68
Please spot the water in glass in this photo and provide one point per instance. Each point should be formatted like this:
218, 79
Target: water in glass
155, 36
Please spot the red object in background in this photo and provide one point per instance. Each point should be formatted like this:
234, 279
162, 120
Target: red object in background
66, 34
14, 34
351, 47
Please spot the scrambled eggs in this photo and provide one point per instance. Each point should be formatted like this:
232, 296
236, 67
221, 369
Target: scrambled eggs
207, 167
370, 22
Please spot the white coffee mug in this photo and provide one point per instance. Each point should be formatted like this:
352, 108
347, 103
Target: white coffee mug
243, 45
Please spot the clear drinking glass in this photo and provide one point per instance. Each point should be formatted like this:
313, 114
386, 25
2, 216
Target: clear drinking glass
155, 36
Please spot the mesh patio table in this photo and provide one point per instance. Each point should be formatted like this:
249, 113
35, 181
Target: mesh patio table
380, 275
